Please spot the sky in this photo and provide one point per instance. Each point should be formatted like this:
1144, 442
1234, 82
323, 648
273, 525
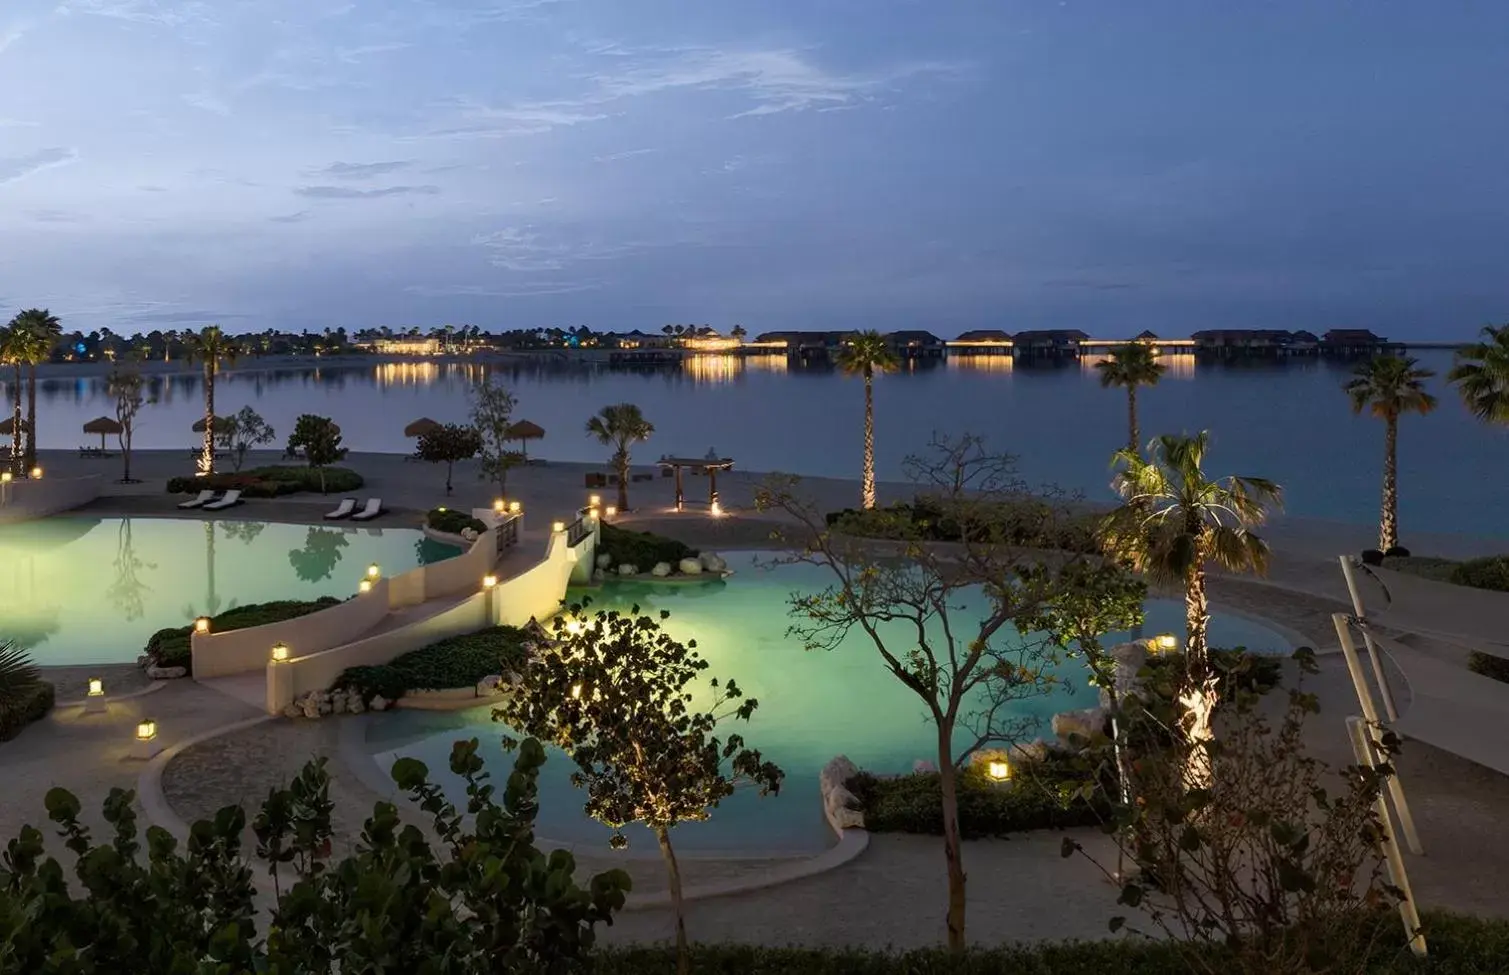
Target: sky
1111, 165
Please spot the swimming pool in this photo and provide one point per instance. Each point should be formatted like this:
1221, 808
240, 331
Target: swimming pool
91, 590
813, 706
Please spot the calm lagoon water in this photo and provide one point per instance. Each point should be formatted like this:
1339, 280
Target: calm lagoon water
91, 590
813, 706
1287, 421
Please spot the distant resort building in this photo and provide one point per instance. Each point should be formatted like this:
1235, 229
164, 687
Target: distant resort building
406, 346
1052, 343
915, 344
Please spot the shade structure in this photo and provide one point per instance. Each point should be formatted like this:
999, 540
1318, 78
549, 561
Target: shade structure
525, 431
420, 427
221, 423
103, 425
7, 426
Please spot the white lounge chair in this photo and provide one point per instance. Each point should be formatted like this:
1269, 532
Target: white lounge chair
372, 510
204, 496
347, 506
230, 499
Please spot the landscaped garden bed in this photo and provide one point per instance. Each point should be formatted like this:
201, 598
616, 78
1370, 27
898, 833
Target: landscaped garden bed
1490, 572
631, 554
1029, 522
171, 647
449, 521
455, 662
271, 482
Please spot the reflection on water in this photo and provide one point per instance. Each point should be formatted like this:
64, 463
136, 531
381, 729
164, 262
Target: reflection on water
1176, 365
981, 363
316, 561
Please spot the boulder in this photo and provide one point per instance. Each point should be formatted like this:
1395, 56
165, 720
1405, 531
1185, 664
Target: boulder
837, 773
355, 705
292, 711
661, 570
470, 534
690, 567
310, 707
167, 673
922, 766
626, 569
1074, 728
1029, 754
489, 685
604, 560
379, 703
713, 562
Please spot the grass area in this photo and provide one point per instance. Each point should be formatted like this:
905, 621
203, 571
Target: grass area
32, 706
452, 522
271, 482
1490, 572
1459, 945
171, 647
642, 549
458, 661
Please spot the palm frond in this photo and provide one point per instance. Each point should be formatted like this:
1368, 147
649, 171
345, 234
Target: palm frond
19, 677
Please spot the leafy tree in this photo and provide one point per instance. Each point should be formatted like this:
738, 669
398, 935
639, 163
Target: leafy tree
864, 355
321, 553
1130, 366
1174, 522
482, 900
1481, 375
619, 426
903, 600
244, 431
737, 333
125, 385
617, 694
1388, 387
447, 444
42, 330
320, 438
492, 415
210, 347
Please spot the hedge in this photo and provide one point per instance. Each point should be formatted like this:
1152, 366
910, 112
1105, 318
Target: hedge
641, 549
458, 661
171, 647
1029, 522
270, 482
1458, 945
33, 708
1488, 665
451, 521
1490, 572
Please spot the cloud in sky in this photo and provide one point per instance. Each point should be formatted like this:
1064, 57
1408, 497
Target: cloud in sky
879, 162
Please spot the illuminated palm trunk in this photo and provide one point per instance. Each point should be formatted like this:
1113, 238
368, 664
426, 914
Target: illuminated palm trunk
15, 429
207, 459
1388, 524
1198, 696
1136, 440
621, 461
31, 417
868, 496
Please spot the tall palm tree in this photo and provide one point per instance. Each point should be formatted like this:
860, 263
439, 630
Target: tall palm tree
1130, 366
1481, 375
1388, 387
1174, 522
864, 355
618, 427
210, 346
13, 353
44, 330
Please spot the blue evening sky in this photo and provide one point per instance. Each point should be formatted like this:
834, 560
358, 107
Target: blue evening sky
1111, 165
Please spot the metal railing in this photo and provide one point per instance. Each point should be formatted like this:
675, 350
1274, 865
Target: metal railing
576, 531
508, 532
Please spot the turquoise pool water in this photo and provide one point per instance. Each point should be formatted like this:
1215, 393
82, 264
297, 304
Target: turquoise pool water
813, 705
91, 590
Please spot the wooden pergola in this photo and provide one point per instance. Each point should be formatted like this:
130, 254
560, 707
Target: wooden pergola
707, 465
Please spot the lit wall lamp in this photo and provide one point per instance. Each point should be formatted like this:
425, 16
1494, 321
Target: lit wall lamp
498, 506
610, 511
1166, 642
489, 581
94, 703
36, 473
514, 507
998, 770
202, 625
373, 571
147, 743
558, 526
279, 652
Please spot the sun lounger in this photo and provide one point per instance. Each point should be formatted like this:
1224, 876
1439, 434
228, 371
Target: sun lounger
372, 510
346, 507
229, 499
199, 502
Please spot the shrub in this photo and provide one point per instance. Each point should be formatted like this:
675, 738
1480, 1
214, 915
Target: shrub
458, 661
270, 482
1371, 556
32, 705
1418, 565
1486, 573
1044, 795
642, 549
1488, 665
1238, 668
452, 521
1028, 522
171, 647
1397, 552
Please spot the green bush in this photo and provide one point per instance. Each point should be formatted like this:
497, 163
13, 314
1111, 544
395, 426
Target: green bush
1419, 565
1486, 573
1488, 665
641, 549
1044, 795
1238, 668
451, 521
459, 661
33, 706
270, 482
1027, 522
171, 647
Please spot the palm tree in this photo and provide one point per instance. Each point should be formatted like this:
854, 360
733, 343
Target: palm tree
210, 346
13, 352
1389, 386
1130, 366
864, 355
1173, 523
19, 678
44, 330
1481, 375
618, 427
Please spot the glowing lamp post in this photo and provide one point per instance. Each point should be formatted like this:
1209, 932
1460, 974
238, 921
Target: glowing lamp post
498, 506
489, 581
279, 653
595, 501
998, 770
1166, 642
373, 571
36, 473
514, 507
610, 511
5, 479
557, 527
716, 510
202, 625
94, 703
146, 744
364, 586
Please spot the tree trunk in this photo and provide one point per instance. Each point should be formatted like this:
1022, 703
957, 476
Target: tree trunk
683, 953
1388, 525
16, 421
125, 441
953, 853
621, 460
1135, 443
207, 462
31, 416
448, 465
1198, 696
868, 497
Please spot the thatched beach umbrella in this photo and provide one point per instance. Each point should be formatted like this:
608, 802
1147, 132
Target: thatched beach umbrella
221, 423
525, 431
420, 427
103, 425
8, 424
